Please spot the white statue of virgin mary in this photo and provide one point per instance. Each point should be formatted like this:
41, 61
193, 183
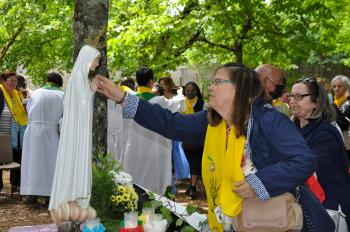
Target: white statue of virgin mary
73, 173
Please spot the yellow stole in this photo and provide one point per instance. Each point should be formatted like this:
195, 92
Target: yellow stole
143, 89
17, 109
125, 88
189, 105
339, 101
221, 168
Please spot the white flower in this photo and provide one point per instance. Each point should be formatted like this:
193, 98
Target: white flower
121, 178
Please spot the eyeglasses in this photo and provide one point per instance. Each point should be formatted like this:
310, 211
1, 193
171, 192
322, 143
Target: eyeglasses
298, 96
217, 81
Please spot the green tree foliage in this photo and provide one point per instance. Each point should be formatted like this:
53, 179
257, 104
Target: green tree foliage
338, 33
165, 33
36, 35
151, 33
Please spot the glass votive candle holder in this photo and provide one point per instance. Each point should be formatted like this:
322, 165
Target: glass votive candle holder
155, 217
148, 211
130, 219
91, 223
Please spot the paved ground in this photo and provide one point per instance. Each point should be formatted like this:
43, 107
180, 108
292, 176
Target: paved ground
13, 212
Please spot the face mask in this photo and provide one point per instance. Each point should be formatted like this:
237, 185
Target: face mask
277, 92
190, 96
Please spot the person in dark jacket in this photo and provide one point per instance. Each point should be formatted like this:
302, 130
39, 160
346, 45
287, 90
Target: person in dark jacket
242, 134
314, 116
340, 85
193, 152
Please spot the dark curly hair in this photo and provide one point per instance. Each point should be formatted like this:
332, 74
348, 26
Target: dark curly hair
55, 78
6, 74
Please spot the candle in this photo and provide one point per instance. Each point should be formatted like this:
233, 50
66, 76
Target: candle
130, 219
93, 225
146, 212
156, 223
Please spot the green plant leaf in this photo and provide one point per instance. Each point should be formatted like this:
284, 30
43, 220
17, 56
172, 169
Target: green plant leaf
187, 229
190, 209
179, 222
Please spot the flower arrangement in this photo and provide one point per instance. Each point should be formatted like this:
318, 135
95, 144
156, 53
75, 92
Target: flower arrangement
124, 196
113, 194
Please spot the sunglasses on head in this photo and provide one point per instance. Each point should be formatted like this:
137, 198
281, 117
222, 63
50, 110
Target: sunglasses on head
310, 80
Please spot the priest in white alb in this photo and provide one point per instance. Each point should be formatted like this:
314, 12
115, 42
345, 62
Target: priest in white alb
40, 142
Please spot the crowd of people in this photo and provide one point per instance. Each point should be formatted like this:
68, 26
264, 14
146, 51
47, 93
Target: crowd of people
252, 150
253, 139
31, 119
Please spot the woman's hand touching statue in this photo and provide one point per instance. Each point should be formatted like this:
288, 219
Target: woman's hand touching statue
109, 89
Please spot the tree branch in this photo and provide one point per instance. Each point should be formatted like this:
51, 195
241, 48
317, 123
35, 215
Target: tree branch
43, 42
163, 40
247, 26
5, 49
212, 44
238, 47
189, 43
188, 8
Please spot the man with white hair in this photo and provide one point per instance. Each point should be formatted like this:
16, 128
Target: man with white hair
272, 79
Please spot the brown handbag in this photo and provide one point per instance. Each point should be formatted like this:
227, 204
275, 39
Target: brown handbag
278, 214
6, 155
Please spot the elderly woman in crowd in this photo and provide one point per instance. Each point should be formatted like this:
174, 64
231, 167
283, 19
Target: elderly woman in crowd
340, 85
250, 150
314, 116
13, 121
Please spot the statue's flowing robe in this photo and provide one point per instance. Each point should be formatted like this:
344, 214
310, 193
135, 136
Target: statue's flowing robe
73, 175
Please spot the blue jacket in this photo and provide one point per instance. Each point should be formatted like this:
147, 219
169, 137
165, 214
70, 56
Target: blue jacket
332, 163
279, 152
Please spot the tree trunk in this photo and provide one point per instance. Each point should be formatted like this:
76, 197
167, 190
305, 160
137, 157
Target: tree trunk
238, 51
90, 22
